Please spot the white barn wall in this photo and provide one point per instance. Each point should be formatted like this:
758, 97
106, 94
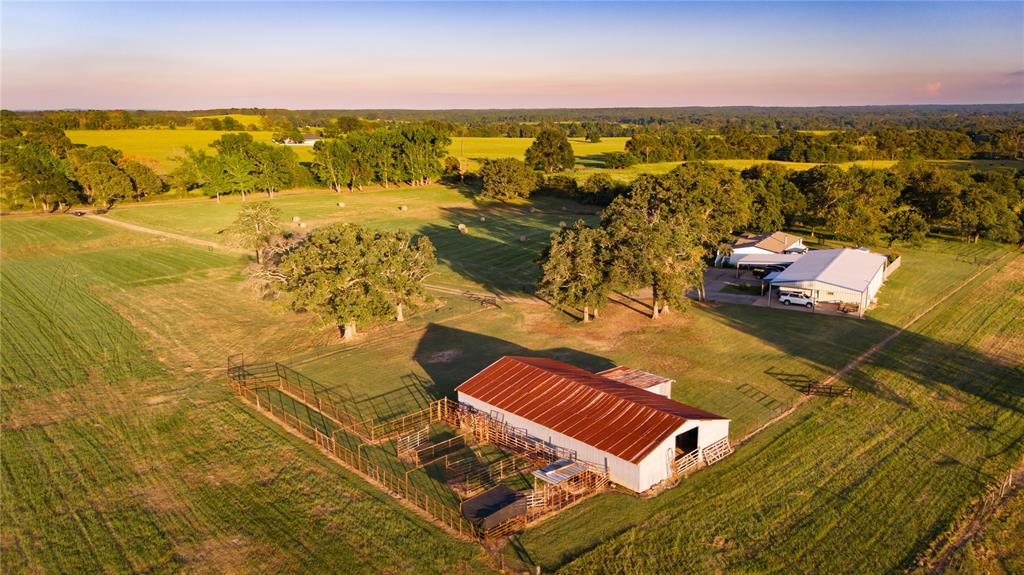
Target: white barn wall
620, 471
876, 283
639, 477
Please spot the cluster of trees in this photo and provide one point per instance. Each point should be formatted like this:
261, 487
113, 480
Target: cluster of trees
227, 123
409, 153
354, 275
509, 179
43, 168
241, 165
658, 234
346, 273
861, 205
661, 231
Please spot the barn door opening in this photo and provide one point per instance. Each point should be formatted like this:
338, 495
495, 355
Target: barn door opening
686, 443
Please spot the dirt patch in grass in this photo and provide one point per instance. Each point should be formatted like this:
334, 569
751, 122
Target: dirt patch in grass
620, 320
99, 398
445, 356
227, 555
198, 322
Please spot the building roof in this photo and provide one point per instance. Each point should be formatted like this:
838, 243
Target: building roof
614, 417
763, 259
560, 471
493, 507
844, 268
776, 242
634, 377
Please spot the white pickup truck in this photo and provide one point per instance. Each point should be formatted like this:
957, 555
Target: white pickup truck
796, 298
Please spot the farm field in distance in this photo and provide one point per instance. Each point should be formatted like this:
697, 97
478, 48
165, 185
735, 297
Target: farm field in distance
162, 145
156, 412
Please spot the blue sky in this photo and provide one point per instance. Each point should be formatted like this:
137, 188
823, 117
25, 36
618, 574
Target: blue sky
496, 55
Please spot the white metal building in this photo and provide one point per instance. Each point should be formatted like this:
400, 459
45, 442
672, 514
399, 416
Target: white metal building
634, 434
836, 276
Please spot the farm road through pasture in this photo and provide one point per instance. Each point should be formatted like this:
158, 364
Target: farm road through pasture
169, 235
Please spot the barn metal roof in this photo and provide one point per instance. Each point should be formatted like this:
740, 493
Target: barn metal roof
844, 268
634, 377
619, 419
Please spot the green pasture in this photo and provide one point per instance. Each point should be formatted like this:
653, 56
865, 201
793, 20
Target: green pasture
114, 348
149, 466
858, 485
492, 254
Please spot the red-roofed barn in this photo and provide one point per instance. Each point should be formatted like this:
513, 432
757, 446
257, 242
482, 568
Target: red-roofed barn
610, 419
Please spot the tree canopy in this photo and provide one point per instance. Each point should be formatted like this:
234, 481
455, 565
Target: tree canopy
507, 179
550, 151
255, 225
354, 275
575, 269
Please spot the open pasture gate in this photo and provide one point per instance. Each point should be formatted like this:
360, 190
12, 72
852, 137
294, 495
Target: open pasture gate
464, 474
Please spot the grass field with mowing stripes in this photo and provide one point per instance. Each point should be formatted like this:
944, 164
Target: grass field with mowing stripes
149, 468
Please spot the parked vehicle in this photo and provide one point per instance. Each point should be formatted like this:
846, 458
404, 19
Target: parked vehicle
796, 298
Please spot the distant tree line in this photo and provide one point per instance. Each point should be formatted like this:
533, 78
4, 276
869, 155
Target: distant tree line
674, 144
988, 126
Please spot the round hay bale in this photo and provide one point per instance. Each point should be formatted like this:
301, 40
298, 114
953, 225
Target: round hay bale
296, 219
341, 204
565, 209
562, 224
302, 225
483, 219
463, 229
403, 208
522, 238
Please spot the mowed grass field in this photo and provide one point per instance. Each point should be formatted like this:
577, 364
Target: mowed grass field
120, 386
497, 253
121, 455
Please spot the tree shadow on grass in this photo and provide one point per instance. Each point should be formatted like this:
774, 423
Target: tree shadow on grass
450, 356
498, 252
591, 161
933, 367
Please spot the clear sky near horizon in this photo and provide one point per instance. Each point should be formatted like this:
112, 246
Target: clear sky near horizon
193, 55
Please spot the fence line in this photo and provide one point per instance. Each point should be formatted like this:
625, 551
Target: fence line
388, 480
247, 380
891, 267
